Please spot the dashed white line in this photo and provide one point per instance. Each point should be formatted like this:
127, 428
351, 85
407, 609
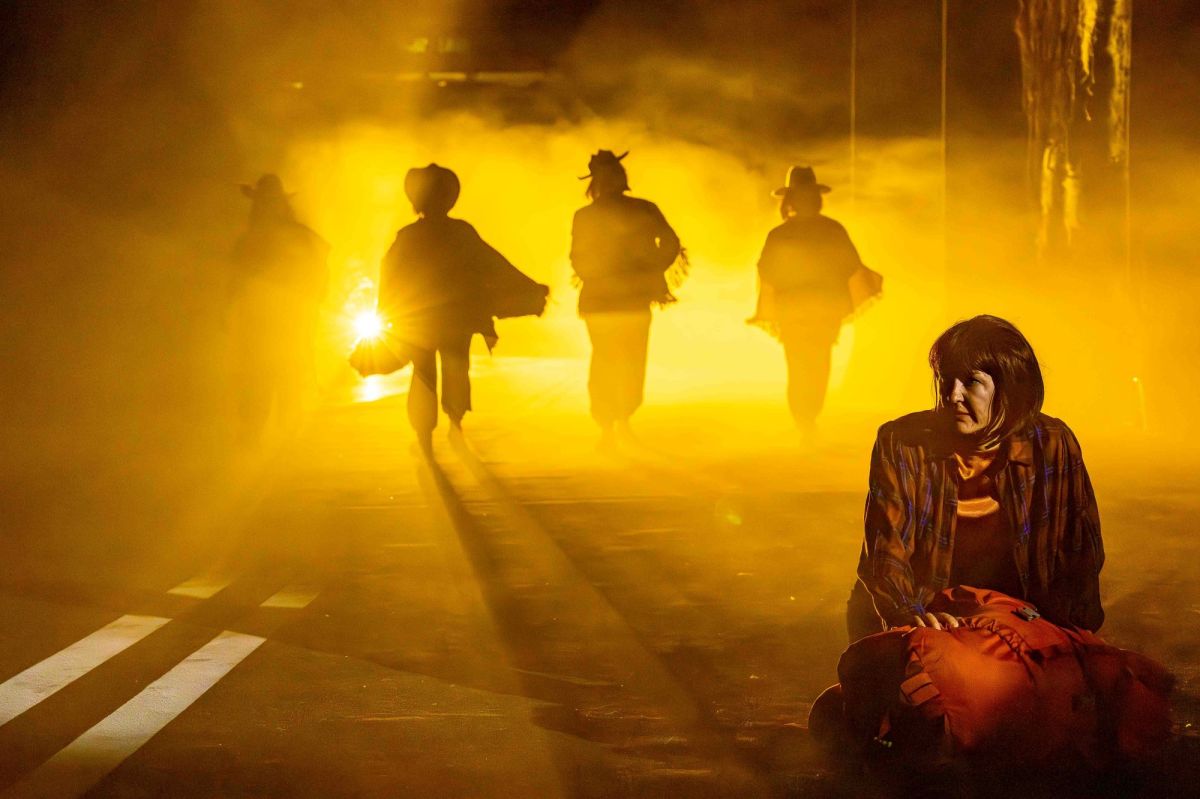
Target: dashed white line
202, 586
294, 596
86, 760
19, 693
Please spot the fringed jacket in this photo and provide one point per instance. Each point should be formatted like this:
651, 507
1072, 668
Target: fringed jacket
621, 249
1044, 493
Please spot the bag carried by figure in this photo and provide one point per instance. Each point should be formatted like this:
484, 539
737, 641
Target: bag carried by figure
379, 355
1007, 686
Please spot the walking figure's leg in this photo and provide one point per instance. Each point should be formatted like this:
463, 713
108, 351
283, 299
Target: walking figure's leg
422, 396
456, 380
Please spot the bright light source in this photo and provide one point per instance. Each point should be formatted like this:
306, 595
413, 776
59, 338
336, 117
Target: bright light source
368, 325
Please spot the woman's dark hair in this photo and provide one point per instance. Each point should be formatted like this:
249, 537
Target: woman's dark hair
993, 345
608, 179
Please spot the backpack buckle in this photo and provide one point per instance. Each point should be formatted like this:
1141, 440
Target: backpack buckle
1027, 613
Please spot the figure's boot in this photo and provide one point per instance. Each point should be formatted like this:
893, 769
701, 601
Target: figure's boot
455, 433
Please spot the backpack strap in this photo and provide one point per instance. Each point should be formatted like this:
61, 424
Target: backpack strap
918, 689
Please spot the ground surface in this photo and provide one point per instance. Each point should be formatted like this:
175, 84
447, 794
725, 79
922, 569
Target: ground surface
518, 617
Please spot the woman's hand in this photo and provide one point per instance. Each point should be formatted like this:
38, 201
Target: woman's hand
938, 621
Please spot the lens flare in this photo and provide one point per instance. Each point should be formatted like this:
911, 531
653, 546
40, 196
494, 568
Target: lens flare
368, 325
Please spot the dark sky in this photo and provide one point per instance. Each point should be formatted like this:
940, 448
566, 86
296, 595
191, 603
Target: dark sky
791, 58
103, 96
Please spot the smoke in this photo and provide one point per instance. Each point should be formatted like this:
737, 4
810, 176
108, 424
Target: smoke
520, 191
123, 161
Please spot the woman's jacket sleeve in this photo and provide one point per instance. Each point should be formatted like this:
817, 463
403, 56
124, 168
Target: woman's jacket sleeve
1075, 586
885, 566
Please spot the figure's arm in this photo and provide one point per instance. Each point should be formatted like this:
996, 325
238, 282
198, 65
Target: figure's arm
885, 564
668, 241
765, 308
768, 261
580, 249
390, 280
321, 250
1076, 585
850, 259
238, 260
492, 264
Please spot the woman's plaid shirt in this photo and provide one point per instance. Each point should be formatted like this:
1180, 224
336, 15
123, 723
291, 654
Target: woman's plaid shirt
1044, 492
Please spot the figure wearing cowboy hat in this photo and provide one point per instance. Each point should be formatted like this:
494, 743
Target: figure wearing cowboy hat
277, 286
804, 271
621, 249
439, 285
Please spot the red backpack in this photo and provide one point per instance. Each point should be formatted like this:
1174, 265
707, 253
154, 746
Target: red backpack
1007, 684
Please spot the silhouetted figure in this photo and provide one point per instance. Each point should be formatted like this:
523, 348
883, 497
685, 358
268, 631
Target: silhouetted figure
621, 249
279, 280
804, 275
440, 284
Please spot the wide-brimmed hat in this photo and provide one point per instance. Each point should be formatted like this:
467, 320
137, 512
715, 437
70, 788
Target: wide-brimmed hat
267, 187
603, 159
431, 185
801, 178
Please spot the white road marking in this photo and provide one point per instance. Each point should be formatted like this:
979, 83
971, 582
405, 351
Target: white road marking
201, 587
56, 672
294, 596
86, 760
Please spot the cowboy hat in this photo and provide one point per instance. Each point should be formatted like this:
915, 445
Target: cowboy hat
431, 186
267, 187
603, 159
800, 178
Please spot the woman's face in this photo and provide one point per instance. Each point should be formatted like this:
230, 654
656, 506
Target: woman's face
967, 399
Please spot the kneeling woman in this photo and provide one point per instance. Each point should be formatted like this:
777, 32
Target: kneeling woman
984, 490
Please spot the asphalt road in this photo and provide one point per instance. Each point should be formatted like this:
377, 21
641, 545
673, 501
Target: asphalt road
518, 616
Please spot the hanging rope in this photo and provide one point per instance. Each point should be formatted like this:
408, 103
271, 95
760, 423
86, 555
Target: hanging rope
1120, 51
1058, 76
945, 72
853, 105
